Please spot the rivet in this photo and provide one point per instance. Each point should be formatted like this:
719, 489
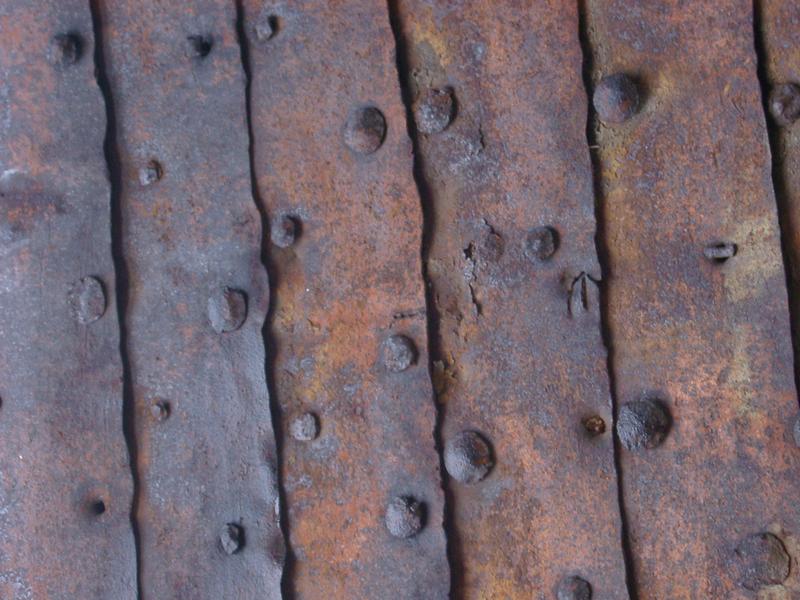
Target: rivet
267, 28
398, 353
760, 560
594, 425
404, 517
468, 457
87, 300
305, 427
574, 588
720, 252
231, 538
66, 49
159, 410
227, 310
784, 103
199, 46
643, 424
795, 431
364, 130
150, 173
491, 246
283, 231
434, 110
616, 98
541, 243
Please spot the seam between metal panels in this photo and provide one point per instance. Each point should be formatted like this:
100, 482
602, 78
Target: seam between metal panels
603, 258
454, 551
266, 330
111, 154
778, 182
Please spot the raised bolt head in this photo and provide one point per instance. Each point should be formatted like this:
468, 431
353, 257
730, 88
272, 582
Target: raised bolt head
227, 310
541, 243
87, 300
720, 252
231, 538
66, 49
398, 353
643, 424
784, 103
159, 410
199, 46
468, 457
434, 110
616, 98
150, 173
283, 231
760, 560
404, 517
364, 130
594, 425
305, 427
574, 588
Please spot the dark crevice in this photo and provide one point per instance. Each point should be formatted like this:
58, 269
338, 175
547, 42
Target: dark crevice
111, 152
287, 590
435, 352
603, 254
779, 183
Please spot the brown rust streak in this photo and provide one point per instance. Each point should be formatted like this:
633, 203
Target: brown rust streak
63, 448
354, 266
514, 363
712, 340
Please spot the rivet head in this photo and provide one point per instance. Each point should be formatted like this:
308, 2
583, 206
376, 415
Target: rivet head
574, 588
150, 173
227, 310
616, 98
491, 247
643, 424
199, 46
784, 103
404, 517
434, 110
305, 427
398, 353
231, 538
760, 560
795, 431
159, 410
720, 252
468, 457
87, 300
364, 130
267, 27
594, 425
541, 243
66, 49
283, 231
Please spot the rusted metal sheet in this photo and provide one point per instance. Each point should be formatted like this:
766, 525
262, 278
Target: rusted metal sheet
207, 507
697, 302
513, 269
65, 478
334, 169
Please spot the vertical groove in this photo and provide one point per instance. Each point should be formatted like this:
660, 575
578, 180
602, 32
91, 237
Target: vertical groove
603, 256
287, 591
778, 183
111, 153
435, 353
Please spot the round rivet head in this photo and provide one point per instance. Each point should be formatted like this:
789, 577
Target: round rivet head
66, 49
87, 300
159, 410
398, 353
760, 560
404, 517
574, 588
594, 425
784, 103
616, 98
541, 243
643, 424
231, 538
305, 427
468, 457
150, 173
227, 310
283, 231
434, 110
364, 130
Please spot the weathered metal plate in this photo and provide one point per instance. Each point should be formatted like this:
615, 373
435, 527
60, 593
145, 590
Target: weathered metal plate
512, 265
65, 478
207, 508
346, 236
707, 337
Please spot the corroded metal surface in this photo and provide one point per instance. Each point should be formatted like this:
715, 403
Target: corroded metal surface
207, 507
700, 328
334, 168
512, 265
65, 479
